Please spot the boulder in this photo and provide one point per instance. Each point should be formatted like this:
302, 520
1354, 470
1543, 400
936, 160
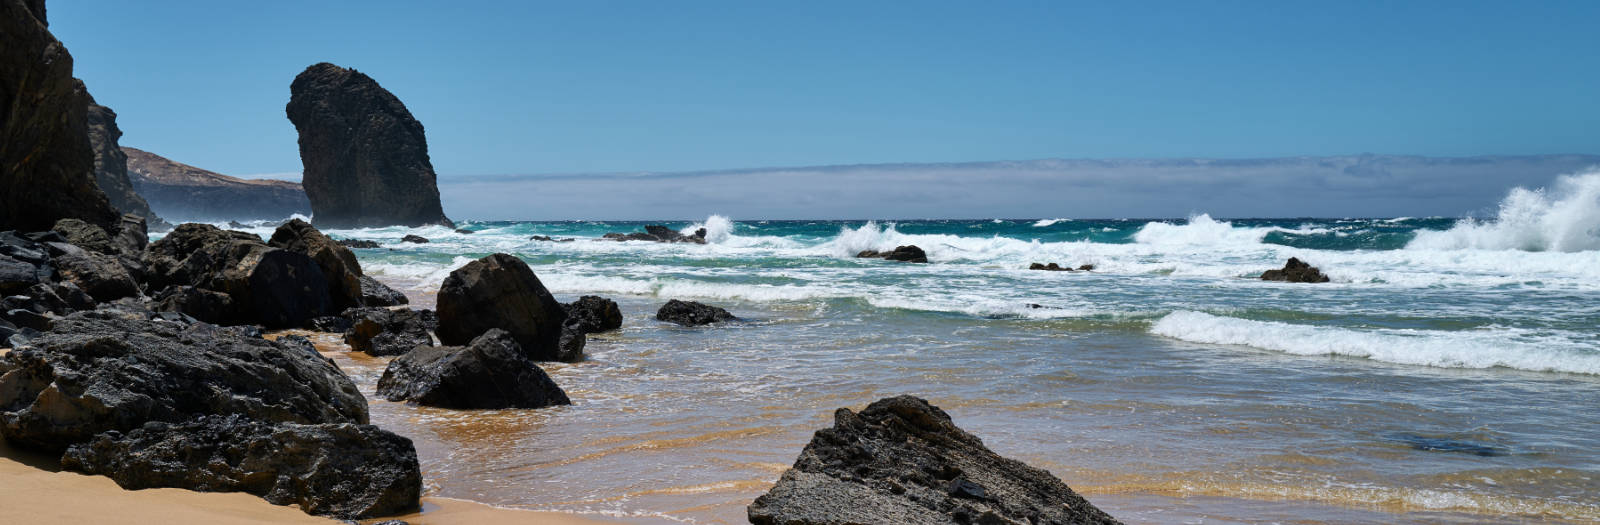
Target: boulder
132, 236
1295, 271
593, 314
17, 275
491, 372
357, 243
464, 231
570, 346
269, 286
366, 159
102, 276
659, 233
500, 291
85, 235
344, 470
117, 369
690, 313
381, 331
338, 263
414, 239
199, 303
46, 158
1052, 267
374, 293
903, 461
910, 253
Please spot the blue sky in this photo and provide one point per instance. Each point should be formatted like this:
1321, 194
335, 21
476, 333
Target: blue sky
578, 87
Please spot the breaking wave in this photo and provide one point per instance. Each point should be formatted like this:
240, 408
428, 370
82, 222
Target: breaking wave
1562, 218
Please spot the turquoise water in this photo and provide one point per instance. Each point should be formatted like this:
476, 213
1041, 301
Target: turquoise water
1448, 373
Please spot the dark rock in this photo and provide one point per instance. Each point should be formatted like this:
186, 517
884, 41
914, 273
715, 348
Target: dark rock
100, 371
200, 303
901, 253
417, 239
492, 372
329, 323
903, 461
659, 233
366, 159
101, 276
85, 235
46, 159
63, 297
339, 469
358, 243
500, 291
132, 236
111, 164
27, 318
338, 263
690, 313
1052, 267
22, 336
374, 293
594, 314
570, 345
17, 275
1295, 271
180, 191
464, 231
380, 331
266, 285
546, 238
1086, 268
236, 225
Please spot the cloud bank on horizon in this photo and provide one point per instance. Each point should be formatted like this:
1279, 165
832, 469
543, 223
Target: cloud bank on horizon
1345, 186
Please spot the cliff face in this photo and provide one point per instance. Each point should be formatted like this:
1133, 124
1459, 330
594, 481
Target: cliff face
111, 165
185, 193
365, 157
46, 162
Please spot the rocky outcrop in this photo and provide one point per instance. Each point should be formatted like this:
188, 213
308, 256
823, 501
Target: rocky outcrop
593, 314
358, 244
1053, 267
264, 285
46, 160
365, 157
1295, 271
909, 253
547, 238
114, 370
101, 276
491, 372
338, 263
374, 293
903, 461
414, 239
111, 166
690, 313
658, 233
179, 191
381, 331
344, 470
500, 291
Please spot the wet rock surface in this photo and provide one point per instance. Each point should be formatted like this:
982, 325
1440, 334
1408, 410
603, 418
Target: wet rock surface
593, 314
658, 233
415, 239
491, 372
381, 331
501, 291
690, 313
358, 243
374, 293
903, 461
910, 253
1295, 271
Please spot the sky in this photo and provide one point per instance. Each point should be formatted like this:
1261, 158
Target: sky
522, 87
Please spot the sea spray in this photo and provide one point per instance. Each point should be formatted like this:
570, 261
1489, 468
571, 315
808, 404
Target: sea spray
1562, 218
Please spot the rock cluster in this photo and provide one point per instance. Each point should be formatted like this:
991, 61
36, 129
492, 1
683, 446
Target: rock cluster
1053, 267
490, 372
910, 253
658, 233
366, 158
381, 331
501, 291
690, 313
1295, 271
903, 461
250, 281
358, 243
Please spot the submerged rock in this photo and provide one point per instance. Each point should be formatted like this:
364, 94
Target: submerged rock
416, 239
374, 293
903, 461
547, 238
491, 372
116, 369
501, 291
366, 158
659, 233
690, 313
344, 470
1295, 271
381, 331
593, 314
910, 253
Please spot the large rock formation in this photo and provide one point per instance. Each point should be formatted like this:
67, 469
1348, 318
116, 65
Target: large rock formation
903, 461
500, 291
181, 192
46, 160
111, 166
491, 372
338, 263
365, 157
258, 283
345, 470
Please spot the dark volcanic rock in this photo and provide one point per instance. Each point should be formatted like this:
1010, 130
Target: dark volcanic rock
500, 291
593, 314
266, 285
366, 159
658, 233
903, 461
374, 293
199, 303
1052, 267
901, 253
109, 370
111, 164
101, 276
381, 331
1295, 271
17, 275
179, 191
358, 243
340, 469
492, 372
415, 239
338, 263
84, 235
46, 160
690, 313
547, 238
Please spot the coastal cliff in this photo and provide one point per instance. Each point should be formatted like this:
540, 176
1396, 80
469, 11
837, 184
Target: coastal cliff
365, 156
183, 192
111, 166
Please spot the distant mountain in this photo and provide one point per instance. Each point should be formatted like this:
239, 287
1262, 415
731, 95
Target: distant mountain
180, 192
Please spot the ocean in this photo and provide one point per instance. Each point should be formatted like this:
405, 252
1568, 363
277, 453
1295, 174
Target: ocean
1448, 373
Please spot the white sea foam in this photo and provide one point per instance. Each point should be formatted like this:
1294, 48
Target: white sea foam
1563, 218
1484, 348
1046, 223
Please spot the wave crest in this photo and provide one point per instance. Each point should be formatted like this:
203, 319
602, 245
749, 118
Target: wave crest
1562, 218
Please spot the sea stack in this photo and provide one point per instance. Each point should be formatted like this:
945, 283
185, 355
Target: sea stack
46, 161
365, 157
